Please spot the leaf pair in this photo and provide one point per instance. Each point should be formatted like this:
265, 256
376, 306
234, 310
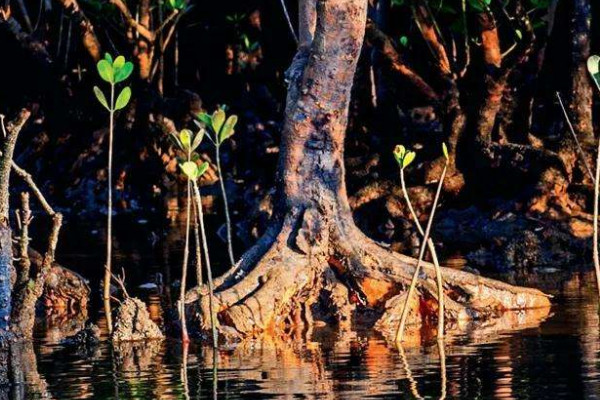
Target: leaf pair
114, 71
122, 99
187, 141
192, 170
218, 123
404, 157
176, 4
593, 65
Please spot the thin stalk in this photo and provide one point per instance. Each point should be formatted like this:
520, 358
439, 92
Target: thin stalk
225, 203
108, 269
572, 130
289, 21
186, 254
413, 284
184, 373
208, 267
198, 244
433, 252
596, 196
443, 373
215, 375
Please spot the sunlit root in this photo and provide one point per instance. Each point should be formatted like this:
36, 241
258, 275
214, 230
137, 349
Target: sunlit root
360, 284
133, 322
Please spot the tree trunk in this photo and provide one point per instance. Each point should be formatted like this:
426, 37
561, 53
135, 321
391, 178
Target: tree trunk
6, 253
581, 95
313, 262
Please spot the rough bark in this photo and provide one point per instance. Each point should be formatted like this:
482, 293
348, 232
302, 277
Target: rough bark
6, 252
579, 101
27, 295
313, 263
88, 36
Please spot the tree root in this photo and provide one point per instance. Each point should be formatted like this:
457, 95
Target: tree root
347, 279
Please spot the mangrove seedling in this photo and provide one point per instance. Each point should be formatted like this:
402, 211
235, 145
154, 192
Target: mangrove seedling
593, 65
112, 72
194, 172
221, 128
187, 142
404, 159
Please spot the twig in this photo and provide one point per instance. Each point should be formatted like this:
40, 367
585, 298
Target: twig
289, 21
26, 176
141, 29
579, 149
120, 280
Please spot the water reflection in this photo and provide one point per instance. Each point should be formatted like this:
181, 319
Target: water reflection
558, 358
521, 355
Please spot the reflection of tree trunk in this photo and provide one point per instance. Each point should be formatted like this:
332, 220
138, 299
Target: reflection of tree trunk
19, 373
313, 254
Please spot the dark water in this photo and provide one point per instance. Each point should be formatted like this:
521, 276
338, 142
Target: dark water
524, 356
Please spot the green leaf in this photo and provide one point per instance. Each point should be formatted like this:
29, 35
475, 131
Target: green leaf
445, 151
399, 153
175, 138
119, 63
123, 72
404, 41
479, 5
519, 33
198, 139
190, 169
123, 98
108, 58
593, 65
101, 98
185, 136
205, 119
202, 169
397, 3
408, 159
105, 70
218, 118
228, 128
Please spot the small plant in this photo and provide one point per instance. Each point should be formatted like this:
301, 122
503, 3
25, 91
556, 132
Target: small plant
194, 172
404, 158
187, 142
593, 65
112, 72
221, 128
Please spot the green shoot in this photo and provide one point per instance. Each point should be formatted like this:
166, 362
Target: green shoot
221, 128
112, 72
187, 142
194, 172
593, 65
404, 158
